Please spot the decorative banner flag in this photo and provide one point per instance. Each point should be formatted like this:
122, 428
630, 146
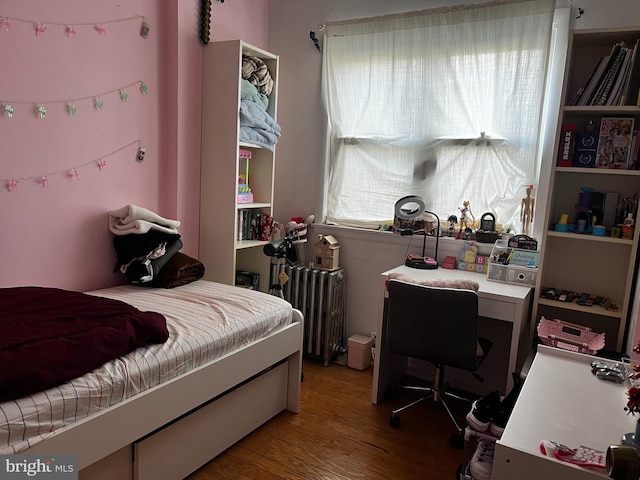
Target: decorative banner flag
70, 104
71, 30
72, 172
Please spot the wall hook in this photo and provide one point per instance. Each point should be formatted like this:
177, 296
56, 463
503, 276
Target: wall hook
312, 36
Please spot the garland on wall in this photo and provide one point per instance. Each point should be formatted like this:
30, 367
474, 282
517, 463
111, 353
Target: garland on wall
71, 173
71, 29
40, 106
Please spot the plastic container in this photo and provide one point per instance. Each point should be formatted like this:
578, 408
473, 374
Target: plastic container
359, 352
513, 265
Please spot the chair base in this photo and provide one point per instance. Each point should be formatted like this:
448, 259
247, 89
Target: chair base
439, 394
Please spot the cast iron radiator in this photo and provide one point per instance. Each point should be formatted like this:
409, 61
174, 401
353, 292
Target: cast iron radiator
320, 296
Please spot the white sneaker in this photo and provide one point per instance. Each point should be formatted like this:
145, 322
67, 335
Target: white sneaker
482, 461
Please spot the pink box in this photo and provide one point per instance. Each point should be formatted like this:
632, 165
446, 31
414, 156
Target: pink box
245, 198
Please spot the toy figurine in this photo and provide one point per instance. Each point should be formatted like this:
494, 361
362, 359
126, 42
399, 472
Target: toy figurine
466, 218
452, 224
526, 216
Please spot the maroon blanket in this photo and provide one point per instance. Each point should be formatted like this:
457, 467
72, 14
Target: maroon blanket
49, 336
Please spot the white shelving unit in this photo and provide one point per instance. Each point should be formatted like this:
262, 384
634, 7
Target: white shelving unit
220, 250
603, 266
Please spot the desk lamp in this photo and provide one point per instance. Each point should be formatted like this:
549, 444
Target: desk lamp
407, 210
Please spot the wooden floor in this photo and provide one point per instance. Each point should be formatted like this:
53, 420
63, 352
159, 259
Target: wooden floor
340, 434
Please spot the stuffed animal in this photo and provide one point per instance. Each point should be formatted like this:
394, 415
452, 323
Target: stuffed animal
298, 227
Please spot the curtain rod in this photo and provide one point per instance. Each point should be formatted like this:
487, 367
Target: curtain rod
430, 11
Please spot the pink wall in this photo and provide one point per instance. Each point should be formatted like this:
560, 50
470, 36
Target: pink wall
57, 235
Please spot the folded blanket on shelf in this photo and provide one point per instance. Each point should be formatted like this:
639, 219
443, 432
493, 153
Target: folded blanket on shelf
257, 72
257, 126
257, 137
179, 270
134, 219
248, 91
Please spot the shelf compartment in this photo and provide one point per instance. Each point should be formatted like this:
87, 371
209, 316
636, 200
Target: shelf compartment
599, 171
247, 206
592, 310
244, 144
591, 317
589, 238
601, 111
242, 244
569, 181
579, 266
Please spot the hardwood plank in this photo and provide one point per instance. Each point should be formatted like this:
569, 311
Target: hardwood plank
339, 434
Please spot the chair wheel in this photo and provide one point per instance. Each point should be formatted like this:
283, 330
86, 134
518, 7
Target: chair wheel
456, 440
394, 420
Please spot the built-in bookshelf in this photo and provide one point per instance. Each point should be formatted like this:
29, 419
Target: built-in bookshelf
595, 261
232, 226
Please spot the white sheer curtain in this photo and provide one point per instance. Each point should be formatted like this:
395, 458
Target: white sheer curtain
443, 103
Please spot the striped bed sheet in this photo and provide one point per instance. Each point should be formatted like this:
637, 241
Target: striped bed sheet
205, 320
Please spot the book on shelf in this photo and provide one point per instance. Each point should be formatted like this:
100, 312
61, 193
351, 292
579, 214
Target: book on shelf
621, 80
614, 81
254, 225
614, 142
567, 145
586, 89
586, 149
634, 162
598, 85
586, 92
631, 95
610, 75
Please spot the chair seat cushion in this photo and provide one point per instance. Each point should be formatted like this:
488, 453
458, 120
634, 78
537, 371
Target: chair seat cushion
442, 283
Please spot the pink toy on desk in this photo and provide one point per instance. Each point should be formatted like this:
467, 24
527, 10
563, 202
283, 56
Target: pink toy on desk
449, 262
418, 261
568, 336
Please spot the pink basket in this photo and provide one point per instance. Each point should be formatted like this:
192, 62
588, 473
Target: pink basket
568, 336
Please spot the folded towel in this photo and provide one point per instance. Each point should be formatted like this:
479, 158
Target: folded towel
133, 219
179, 270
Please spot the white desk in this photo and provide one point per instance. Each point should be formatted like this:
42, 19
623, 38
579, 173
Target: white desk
499, 301
561, 400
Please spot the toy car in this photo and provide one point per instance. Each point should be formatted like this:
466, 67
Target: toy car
610, 375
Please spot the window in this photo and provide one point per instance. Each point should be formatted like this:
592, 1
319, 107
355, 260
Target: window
443, 103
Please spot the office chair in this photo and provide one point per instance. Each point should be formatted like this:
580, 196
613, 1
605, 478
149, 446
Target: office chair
439, 325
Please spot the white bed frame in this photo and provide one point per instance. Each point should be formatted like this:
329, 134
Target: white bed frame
171, 430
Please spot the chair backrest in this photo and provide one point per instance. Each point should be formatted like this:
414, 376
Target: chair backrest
436, 324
